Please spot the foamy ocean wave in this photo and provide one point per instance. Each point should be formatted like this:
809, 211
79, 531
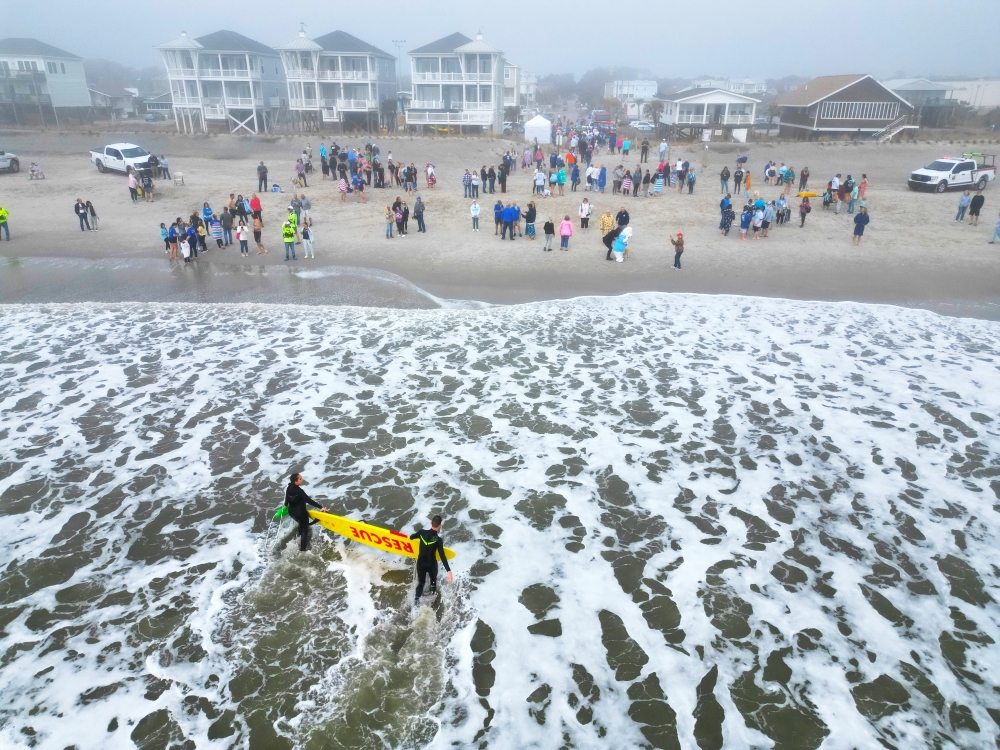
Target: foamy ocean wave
680, 522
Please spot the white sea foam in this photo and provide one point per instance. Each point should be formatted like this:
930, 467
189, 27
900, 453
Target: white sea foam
798, 495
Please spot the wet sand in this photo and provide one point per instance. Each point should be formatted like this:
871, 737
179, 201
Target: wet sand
913, 254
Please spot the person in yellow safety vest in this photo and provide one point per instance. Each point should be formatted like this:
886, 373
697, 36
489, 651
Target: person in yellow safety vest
295, 222
3, 222
288, 235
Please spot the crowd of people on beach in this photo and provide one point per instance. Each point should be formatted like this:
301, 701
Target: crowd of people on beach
576, 159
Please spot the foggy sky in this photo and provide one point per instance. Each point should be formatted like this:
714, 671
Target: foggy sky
762, 39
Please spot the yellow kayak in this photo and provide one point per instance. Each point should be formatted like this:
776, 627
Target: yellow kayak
374, 536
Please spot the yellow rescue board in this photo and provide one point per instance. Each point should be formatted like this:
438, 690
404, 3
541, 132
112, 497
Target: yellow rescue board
374, 536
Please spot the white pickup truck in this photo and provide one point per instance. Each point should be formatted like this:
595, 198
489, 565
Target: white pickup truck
121, 157
9, 162
966, 172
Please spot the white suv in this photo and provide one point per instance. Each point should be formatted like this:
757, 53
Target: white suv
9, 162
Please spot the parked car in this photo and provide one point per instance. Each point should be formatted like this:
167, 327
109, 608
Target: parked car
508, 128
121, 157
642, 126
9, 162
154, 116
969, 170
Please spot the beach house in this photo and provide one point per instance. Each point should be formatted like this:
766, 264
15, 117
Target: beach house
736, 85
39, 83
224, 80
845, 105
690, 112
932, 100
337, 78
457, 81
632, 95
511, 85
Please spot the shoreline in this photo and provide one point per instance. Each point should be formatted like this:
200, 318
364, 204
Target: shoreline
43, 281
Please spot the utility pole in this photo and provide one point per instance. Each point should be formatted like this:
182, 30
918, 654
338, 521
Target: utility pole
398, 44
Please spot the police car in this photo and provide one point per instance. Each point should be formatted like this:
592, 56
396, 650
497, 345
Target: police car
965, 172
9, 162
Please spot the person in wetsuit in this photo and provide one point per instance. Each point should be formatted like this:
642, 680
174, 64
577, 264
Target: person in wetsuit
431, 548
296, 501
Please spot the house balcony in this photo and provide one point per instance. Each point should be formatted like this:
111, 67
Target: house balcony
182, 73
481, 117
457, 77
686, 119
228, 74
356, 105
26, 98
426, 104
343, 75
185, 101
215, 108
339, 105
303, 74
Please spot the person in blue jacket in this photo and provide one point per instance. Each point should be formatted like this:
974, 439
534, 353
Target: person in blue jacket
497, 216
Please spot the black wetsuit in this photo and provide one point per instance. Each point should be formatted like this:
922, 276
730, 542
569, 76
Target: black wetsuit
431, 545
296, 500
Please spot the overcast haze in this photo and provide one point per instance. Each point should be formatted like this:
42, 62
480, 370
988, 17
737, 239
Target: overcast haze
759, 40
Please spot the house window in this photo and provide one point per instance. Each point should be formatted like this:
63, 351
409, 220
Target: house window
859, 111
506, 74
51, 67
63, 66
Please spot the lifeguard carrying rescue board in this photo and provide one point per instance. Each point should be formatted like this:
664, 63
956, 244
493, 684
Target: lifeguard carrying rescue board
374, 536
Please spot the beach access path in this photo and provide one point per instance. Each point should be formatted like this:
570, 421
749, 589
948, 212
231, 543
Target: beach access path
913, 254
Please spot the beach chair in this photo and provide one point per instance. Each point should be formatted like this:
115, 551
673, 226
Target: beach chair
178, 178
35, 172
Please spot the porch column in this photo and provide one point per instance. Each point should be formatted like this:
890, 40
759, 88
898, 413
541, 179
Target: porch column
725, 119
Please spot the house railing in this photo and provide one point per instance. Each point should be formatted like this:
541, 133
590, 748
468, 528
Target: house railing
181, 72
447, 118
426, 104
452, 76
343, 75
357, 104
688, 119
903, 121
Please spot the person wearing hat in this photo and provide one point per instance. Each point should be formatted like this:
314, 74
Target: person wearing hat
418, 214
678, 244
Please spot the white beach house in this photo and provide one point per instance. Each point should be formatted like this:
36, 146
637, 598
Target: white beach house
695, 110
337, 78
225, 78
40, 83
457, 81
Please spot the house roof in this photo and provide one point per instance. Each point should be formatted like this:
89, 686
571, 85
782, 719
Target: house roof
692, 93
478, 45
181, 42
915, 84
111, 91
301, 43
818, 89
230, 41
341, 41
447, 44
28, 46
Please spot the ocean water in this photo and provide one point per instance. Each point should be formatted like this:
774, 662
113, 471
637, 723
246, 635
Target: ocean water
680, 522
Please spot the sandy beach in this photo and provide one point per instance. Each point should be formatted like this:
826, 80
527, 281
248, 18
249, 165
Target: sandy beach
913, 254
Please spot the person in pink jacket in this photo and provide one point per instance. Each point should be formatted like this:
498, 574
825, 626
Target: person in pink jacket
565, 232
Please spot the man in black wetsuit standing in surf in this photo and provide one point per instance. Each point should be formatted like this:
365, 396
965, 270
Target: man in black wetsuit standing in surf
431, 547
296, 501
